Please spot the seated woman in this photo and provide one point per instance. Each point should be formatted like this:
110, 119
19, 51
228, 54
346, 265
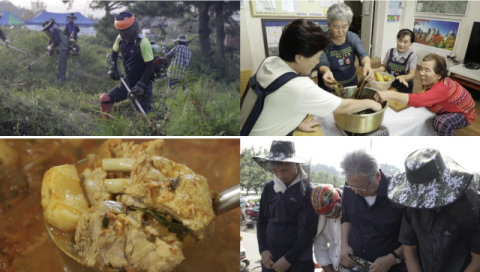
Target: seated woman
338, 62
453, 105
301, 44
401, 62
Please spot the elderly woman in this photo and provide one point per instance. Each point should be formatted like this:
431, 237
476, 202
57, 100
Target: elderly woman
301, 44
453, 105
401, 62
338, 62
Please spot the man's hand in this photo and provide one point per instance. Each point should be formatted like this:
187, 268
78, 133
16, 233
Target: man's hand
281, 265
345, 259
139, 89
382, 264
267, 259
328, 78
309, 126
6, 42
402, 80
113, 73
49, 48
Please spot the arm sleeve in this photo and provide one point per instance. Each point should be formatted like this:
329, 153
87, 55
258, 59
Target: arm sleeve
386, 58
2, 36
345, 217
146, 49
357, 46
320, 244
114, 58
324, 60
116, 44
475, 241
262, 221
169, 53
314, 100
308, 222
438, 93
407, 235
412, 62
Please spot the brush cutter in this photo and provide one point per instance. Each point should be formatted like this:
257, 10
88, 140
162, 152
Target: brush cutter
9, 46
28, 66
134, 99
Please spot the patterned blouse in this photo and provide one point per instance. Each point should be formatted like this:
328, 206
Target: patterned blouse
446, 96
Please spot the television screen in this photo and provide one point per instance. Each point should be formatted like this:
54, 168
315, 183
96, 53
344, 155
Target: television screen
473, 53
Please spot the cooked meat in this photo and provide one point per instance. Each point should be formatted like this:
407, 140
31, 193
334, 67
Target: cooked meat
93, 185
173, 189
115, 148
105, 237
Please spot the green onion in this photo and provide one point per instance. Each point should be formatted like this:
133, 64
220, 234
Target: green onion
178, 229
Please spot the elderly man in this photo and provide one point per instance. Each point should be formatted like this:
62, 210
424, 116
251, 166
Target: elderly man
370, 223
440, 228
327, 202
287, 223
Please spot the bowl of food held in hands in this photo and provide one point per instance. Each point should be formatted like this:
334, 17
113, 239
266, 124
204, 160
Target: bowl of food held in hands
361, 122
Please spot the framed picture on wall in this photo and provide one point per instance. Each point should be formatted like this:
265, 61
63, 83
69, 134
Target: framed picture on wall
272, 31
290, 8
442, 7
439, 34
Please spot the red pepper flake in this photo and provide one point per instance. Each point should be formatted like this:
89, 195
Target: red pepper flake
164, 197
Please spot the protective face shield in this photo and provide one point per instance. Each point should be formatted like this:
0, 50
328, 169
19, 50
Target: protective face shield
47, 26
126, 25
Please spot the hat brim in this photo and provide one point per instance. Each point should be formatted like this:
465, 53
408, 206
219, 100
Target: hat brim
264, 161
47, 27
436, 193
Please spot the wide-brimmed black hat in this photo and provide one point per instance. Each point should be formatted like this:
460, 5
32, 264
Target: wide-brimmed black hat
72, 15
47, 25
280, 151
429, 181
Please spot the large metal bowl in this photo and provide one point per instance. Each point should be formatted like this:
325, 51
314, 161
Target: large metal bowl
360, 123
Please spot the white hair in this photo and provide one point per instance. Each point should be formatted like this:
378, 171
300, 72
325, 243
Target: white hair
339, 12
359, 162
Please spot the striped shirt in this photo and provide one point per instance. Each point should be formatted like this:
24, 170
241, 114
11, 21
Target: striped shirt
446, 95
181, 61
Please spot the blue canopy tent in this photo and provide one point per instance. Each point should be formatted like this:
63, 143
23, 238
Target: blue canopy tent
60, 19
9, 19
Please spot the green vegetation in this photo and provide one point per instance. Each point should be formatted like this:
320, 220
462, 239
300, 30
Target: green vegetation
36, 103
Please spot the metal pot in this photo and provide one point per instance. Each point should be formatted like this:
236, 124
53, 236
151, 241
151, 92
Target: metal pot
361, 123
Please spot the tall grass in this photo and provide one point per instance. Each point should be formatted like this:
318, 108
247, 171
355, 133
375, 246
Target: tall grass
36, 103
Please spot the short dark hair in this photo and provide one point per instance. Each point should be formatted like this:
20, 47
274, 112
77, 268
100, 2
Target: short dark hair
404, 32
440, 67
301, 37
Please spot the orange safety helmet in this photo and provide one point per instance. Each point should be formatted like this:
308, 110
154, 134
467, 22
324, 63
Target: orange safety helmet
126, 25
324, 198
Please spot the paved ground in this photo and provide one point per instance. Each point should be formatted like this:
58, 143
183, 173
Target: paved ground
250, 244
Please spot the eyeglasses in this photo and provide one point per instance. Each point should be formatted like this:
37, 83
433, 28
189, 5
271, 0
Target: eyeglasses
357, 188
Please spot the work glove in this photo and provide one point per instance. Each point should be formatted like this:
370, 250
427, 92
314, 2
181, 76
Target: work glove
113, 73
6, 42
50, 50
138, 90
